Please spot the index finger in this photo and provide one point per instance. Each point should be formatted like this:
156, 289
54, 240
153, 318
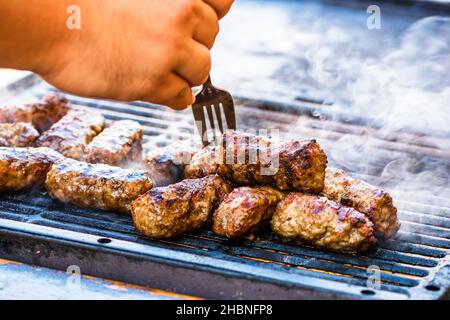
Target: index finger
220, 6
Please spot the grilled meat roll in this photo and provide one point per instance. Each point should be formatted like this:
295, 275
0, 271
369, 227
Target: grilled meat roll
374, 202
166, 165
49, 111
253, 160
96, 185
23, 168
322, 223
42, 114
11, 114
246, 210
71, 135
169, 211
15, 135
204, 163
119, 143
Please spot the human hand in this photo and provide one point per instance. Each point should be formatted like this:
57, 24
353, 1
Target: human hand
152, 50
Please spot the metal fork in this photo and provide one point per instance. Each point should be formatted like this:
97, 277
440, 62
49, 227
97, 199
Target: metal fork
211, 98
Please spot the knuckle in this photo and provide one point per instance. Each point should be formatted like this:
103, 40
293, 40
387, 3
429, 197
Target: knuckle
216, 30
207, 61
174, 47
205, 55
185, 12
182, 99
183, 93
175, 44
225, 7
229, 3
203, 70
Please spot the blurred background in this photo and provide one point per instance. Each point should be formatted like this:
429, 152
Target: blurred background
323, 51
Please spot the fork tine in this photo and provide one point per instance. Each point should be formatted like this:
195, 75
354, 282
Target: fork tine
219, 117
211, 117
200, 122
211, 120
230, 115
211, 97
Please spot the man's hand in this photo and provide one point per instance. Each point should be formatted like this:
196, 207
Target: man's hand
150, 50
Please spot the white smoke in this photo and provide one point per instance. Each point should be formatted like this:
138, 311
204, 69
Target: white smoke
396, 78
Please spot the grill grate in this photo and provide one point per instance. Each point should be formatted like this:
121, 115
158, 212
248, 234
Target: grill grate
414, 265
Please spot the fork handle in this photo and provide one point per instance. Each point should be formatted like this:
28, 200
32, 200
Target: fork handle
208, 82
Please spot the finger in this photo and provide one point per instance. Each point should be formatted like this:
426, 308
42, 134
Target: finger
220, 6
194, 63
208, 26
173, 91
184, 99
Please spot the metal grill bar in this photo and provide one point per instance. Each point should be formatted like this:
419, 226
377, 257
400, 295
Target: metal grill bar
125, 231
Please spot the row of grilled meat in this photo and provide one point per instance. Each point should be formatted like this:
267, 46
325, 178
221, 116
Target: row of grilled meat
243, 185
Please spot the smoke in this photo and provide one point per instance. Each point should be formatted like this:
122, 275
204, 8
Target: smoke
396, 78
410, 87
405, 98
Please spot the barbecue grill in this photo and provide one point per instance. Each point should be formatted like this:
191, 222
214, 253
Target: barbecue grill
37, 230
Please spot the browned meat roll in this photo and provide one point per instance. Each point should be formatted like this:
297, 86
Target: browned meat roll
96, 185
204, 163
166, 164
71, 135
370, 200
245, 211
119, 143
253, 160
322, 223
169, 211
41, 114
17, 135
23, 168
11, 114
49, 111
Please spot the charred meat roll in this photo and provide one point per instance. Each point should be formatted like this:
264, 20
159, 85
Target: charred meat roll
71, 135
365, 198
204, 163
42, 114
166, 164
15, 135
119, 143
49, 111
250, 160
96, 185
11, 114
246, 210
322, 223
166, 212
23, 168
